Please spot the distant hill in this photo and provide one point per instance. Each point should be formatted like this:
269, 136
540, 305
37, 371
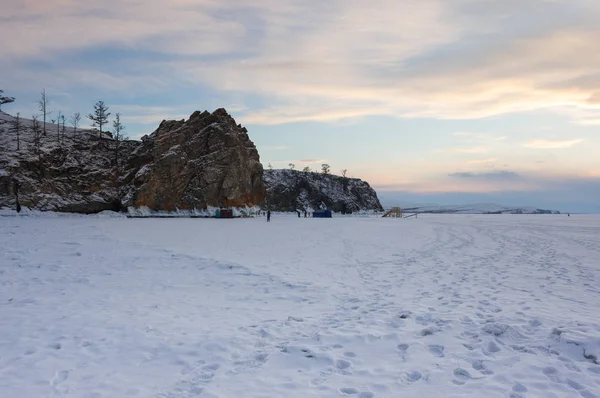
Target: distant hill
479, 208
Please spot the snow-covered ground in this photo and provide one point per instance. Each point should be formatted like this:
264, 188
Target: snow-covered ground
442, 305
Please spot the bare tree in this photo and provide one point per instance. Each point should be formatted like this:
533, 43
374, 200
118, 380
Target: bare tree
325, 168
5, 100
118, 135
75, 119
57, 120
306, 169
37, 137
63, 128
344, 171
292, 166
17, 125
100, 116
43, 106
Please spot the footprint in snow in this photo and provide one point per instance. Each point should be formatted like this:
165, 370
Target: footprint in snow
436, 350
429, 331
342, 364
518, 387
551, 373
55, 346
491, 348
481, 368
413, 376
594, 370
461, 376
60, 377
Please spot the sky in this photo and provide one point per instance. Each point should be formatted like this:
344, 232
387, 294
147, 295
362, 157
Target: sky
430, 101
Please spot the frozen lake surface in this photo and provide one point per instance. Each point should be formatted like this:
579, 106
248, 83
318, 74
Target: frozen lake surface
447, 305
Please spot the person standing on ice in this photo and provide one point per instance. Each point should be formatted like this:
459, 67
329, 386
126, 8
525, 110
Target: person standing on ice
268, 215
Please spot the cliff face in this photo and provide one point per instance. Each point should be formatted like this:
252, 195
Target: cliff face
207, 160
290, 190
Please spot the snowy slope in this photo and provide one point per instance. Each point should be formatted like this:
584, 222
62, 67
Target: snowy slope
75, 174
453, 306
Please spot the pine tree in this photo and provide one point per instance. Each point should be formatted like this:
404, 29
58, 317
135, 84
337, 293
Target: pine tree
118, 135
63, 128
100, 116
5, 100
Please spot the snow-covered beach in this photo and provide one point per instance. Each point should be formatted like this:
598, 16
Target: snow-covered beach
442, 305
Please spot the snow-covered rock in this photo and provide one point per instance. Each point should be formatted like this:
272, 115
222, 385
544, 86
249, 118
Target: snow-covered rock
291, 190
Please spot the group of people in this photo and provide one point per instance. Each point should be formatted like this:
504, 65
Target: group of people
269, 214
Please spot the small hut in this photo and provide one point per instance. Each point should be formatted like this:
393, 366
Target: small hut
224, 213
322, 214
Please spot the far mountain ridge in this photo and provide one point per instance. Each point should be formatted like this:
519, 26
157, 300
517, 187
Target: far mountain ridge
477, 208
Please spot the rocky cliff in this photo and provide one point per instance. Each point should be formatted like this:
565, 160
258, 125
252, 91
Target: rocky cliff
290, 190
207, 160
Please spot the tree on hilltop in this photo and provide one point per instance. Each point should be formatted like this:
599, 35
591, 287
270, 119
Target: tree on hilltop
17, 126
75, 119
43, 107
100, 116
118, 136
37, 139
5, 100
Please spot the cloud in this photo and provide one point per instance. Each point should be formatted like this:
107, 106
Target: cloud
482, 161
552, 144
495, 174
274, 147
464, 134
311, 161
465, 150
323, 61
132, 24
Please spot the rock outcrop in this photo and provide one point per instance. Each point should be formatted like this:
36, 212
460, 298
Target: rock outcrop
207, 160
291, 190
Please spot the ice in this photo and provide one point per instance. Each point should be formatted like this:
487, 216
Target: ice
443, 305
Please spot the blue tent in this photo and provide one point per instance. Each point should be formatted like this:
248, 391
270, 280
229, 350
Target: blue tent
322, 214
